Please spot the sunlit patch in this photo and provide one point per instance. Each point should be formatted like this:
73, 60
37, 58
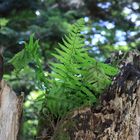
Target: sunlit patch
84, 32
121, 43
3, 22
137, 23
132, 17
120, 35
103, 32
135, 5
104, 5
130, 14
98, 38
108, 25
127, 10
21, 42
37, 13
87, 42
86, 19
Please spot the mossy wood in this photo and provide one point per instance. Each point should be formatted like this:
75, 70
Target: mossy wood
116, 117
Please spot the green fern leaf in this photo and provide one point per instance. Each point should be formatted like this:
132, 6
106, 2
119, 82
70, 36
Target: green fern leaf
80, 77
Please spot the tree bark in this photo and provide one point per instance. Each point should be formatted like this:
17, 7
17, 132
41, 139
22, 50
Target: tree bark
116, 117
10, 112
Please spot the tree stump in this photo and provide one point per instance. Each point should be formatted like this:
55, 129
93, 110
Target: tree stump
116, 117
10, 112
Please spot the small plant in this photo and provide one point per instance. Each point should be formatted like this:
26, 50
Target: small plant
76, 78
31, 56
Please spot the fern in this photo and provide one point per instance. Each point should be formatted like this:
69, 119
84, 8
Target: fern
76, 78
30, 54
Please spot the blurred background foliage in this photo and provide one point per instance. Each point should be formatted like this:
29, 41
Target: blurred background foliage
111, 25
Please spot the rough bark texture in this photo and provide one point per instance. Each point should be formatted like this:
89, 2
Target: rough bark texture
10, 112
116, 117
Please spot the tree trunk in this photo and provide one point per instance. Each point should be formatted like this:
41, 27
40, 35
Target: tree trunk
10, 112
116, 117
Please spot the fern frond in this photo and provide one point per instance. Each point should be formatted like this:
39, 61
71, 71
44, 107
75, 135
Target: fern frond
30, 54
80, 77
76, 78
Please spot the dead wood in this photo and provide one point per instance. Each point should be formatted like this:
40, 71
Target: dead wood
116, 117
10, 112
